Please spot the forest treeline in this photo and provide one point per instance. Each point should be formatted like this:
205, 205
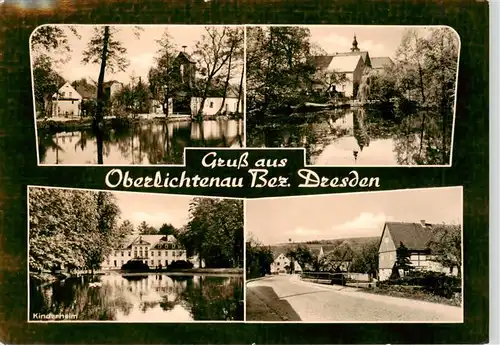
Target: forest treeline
77, 229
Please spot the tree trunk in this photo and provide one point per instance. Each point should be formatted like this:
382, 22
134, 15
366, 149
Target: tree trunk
226, 83
240, 92
98, 121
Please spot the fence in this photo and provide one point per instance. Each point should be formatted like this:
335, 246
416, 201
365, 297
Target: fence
339, 278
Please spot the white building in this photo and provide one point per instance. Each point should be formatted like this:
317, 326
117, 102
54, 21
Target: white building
281, 264
153, 250
213, 104
66, 102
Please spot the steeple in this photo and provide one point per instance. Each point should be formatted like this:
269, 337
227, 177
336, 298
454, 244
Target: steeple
355, 45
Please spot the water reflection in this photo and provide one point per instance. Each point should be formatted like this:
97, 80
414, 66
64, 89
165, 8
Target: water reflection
362, 136
142, 143
145, 297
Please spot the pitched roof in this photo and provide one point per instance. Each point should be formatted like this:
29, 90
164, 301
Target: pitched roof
111, 82
321, 62
381, 62
153, 240
87, 91
413, 235
186, 56
363, 54
344, 63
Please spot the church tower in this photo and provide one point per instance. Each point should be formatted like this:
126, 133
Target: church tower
355, 45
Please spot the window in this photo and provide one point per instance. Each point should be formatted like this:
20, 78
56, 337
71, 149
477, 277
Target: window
159, 262
122, 262
159, 253
62, 94
129, 253
152, 253
152, 262
70, 94
211, 104
166, 262
140, 253
116, 253
122, 253
135, 253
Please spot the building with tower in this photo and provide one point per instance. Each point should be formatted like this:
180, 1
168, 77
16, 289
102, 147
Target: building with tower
350, 67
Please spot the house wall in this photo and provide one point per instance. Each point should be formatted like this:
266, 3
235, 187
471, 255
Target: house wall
212, 105
278, 266
357, 75
66, 102
386, 255
152, 257
66, 108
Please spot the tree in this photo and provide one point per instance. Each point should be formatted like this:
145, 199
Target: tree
125, 229
215, 232
258, 259
212, 57
403, 261
446, 246
168, 229
70, 228
105, 50
145, 229
328, 80
52, 38
234, 48
163, 78
46, 83
280, 71
302, 254
366, 260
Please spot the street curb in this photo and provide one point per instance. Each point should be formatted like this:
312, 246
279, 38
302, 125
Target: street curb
255, 279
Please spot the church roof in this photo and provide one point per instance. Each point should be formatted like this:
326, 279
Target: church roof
363, 54
381, 62
344, 63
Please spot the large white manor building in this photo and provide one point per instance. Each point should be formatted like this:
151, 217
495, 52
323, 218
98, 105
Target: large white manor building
153, 250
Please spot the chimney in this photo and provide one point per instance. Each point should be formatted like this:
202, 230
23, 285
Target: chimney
184, 48
422, 222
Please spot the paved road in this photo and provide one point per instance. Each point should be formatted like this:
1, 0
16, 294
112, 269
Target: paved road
286, 298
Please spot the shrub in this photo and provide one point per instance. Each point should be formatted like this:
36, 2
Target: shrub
180, 265
135, 265
433, 282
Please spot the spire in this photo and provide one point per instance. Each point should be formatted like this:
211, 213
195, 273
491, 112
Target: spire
355, 45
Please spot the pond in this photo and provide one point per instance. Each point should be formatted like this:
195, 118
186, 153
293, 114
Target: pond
361, 136
152, 142
152, 297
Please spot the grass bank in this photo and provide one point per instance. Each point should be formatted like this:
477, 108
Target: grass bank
416, 293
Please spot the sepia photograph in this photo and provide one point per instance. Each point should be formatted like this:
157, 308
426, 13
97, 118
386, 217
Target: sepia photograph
129, 257
124, 95
394, 256
354, 95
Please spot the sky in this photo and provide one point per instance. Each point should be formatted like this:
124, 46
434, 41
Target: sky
276, 220
377, 40
140, 51
154, 209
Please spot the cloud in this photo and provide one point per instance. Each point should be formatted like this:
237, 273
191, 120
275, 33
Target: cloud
304, 232
366, 224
